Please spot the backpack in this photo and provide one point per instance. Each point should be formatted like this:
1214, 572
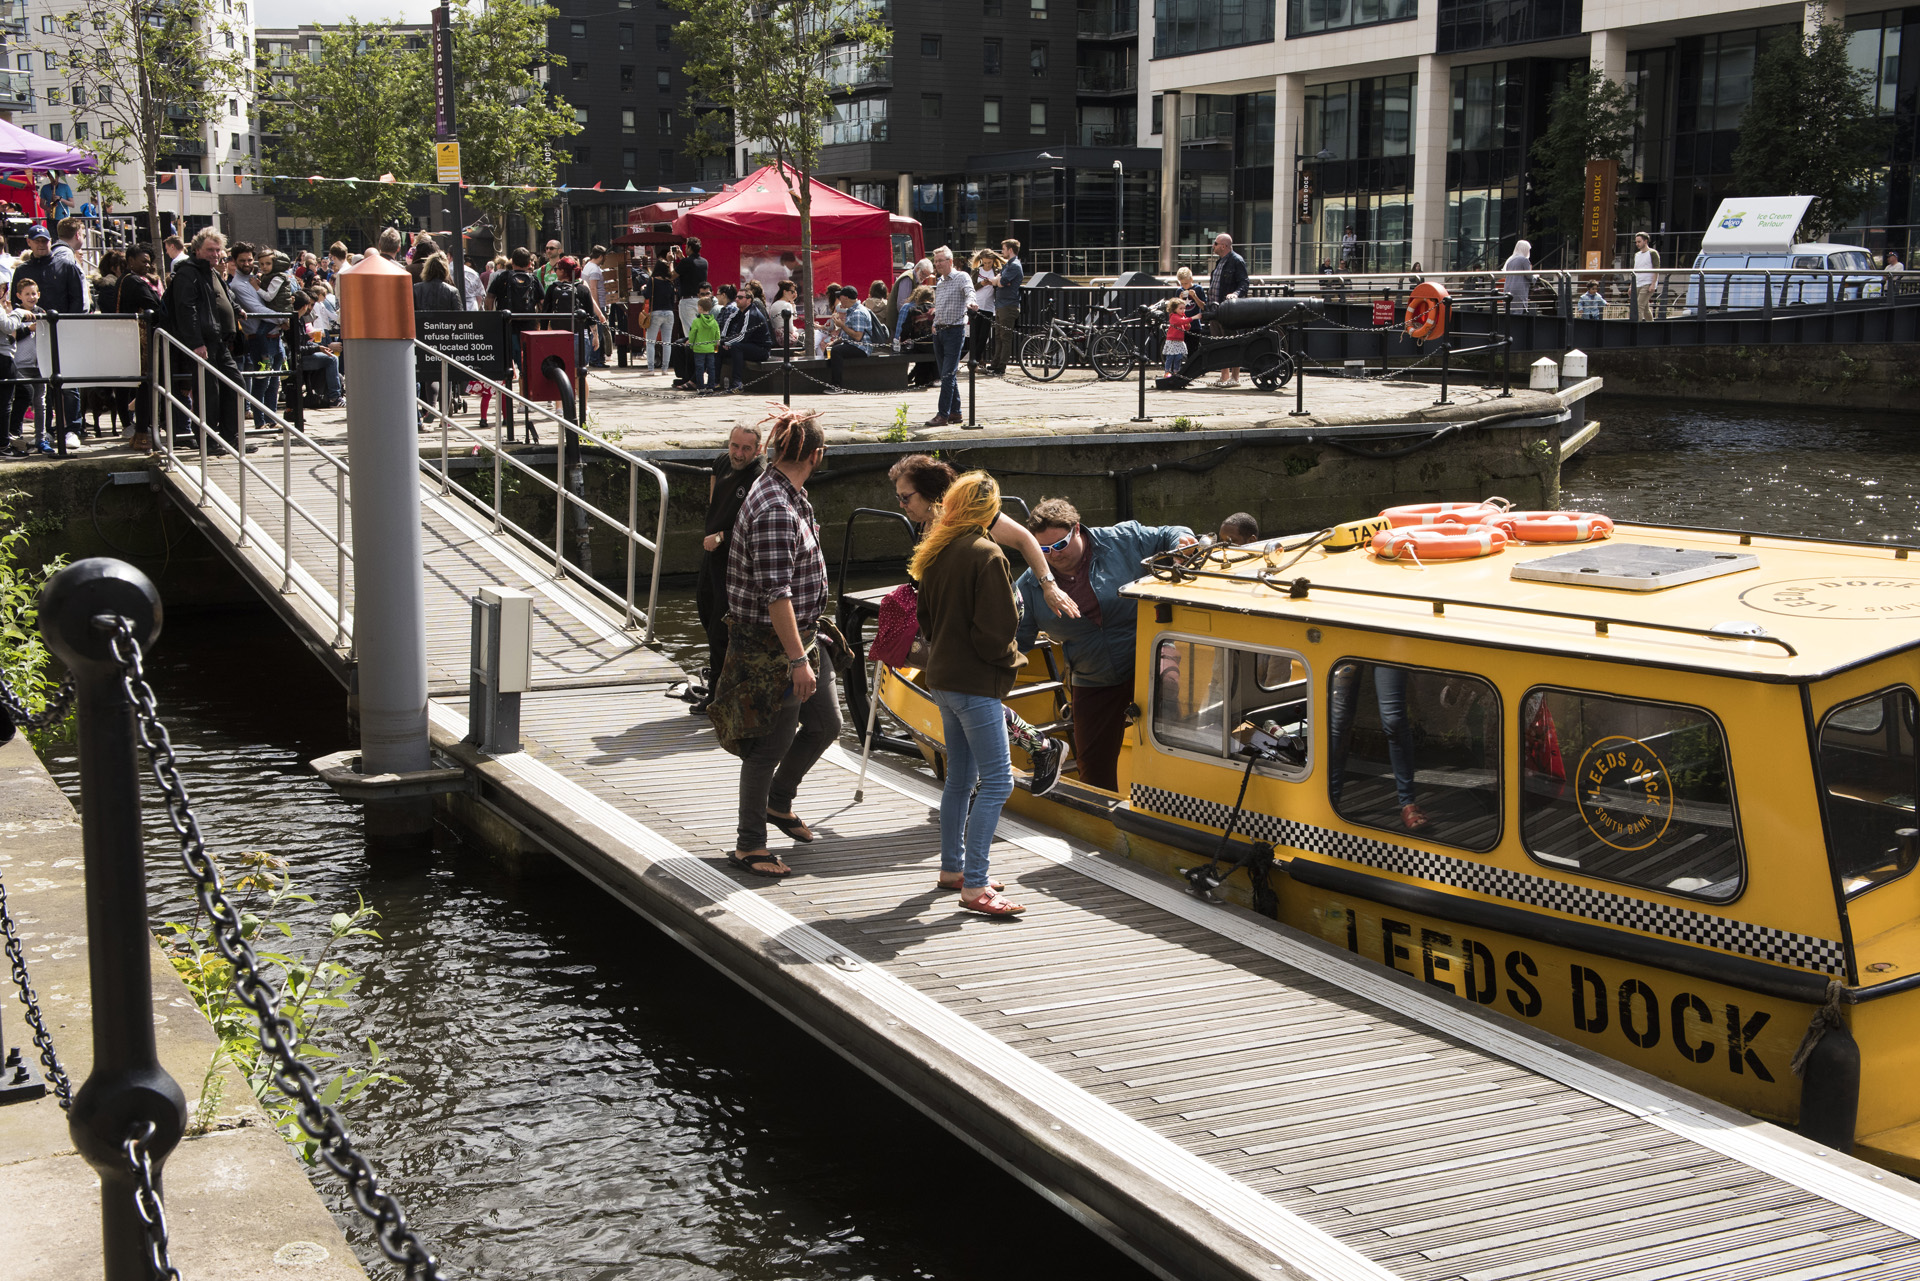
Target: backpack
523, 291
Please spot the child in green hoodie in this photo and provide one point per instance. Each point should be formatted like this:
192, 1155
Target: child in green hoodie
704, 339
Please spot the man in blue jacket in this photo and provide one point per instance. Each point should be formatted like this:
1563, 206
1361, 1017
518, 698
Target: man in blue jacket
1228, 279
1091, 566
1006, 305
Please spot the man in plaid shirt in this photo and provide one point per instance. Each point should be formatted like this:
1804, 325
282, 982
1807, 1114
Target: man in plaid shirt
777, 582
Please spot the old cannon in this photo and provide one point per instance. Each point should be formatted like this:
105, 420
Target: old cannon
1244, 333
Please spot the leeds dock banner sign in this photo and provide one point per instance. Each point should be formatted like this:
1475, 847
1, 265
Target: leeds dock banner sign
1596, 224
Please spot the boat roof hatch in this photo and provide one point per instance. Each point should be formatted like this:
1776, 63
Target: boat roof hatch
1634, 567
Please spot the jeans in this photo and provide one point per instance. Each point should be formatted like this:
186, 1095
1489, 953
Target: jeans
659, 337
606, 344
1006, 323
1390, 695
1174, 359
740, 354
974, 729
837, 355
263, 351
704, 365
948, 342
329, 366
25, 396
770, 774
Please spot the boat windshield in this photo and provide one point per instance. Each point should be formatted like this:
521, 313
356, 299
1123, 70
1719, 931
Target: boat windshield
1868, 768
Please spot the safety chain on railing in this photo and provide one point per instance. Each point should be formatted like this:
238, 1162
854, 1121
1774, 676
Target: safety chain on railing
146, 1201
255, 989
53, 713
16, 957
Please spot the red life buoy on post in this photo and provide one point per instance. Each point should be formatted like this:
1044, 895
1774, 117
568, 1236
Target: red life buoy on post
1554, 527
1427, 311
1446, 513
1453, 542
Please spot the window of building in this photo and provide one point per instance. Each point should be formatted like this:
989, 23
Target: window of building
1400, 736
626, 77
929, 46
104, 95
1036, 8
56, 132
49, 61
930, 106
1870, 775
1193, 26
1490, 24
79, 131
626, 120
990, 57
55, 95
253, 145
23, 61
857, 120
47, 25
580, 116
34, 129
1037, 57
235, 144
578, 30
629, 160
666, 120
1158, 106
233, 106
1203, 691
664, 80
990, 116
991, 8
664, 160
583, 155
626, 35
1628, 790
1311, 17
578, 70
663, 38
79, 95
1037, 116
229, 38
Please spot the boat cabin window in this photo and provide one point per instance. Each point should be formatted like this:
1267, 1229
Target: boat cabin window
1416, 752
1203, 693
1868, 768
1629, 791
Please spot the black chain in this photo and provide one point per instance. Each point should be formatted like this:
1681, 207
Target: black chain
146, 1201
255, 989
52, 714
56, 1074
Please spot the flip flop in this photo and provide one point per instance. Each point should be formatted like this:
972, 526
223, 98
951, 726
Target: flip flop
758, 863
991, 904
793, 825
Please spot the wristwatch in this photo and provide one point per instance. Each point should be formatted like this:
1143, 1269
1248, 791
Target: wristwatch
1049, 579
795, 663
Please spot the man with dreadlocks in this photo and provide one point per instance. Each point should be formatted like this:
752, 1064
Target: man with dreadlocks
774, 703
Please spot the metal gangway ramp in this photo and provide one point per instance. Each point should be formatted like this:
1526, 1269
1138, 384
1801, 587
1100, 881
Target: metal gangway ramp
1219, 1095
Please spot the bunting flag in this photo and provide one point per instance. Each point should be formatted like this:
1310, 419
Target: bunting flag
388, 179
598, 187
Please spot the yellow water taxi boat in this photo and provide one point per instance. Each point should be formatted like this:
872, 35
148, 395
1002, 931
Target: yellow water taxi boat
1654, 794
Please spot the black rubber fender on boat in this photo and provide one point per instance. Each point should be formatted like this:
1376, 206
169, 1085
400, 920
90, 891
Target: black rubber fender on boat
1830, 1089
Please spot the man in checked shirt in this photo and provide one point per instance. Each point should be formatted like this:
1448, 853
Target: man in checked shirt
777, 579
952, 291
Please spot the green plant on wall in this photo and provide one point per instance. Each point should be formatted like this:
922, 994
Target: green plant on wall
24, 659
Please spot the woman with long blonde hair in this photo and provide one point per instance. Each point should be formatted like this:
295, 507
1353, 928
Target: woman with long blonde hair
968, 617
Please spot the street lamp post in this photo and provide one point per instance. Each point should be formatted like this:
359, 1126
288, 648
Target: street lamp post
1120, 177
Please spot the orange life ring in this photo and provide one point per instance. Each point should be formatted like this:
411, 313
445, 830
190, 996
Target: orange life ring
1554, 527
1458, 542
1446, 513
1427, 311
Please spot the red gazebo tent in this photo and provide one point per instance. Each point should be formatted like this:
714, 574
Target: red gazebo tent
753, 233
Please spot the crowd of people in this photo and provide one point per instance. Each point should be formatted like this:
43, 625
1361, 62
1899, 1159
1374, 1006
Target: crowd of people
764, 599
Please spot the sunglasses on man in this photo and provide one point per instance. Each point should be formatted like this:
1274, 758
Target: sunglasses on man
1050, 548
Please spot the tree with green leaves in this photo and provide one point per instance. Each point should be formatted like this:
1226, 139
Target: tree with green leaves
1811, 130
355, 111
150, 72
1590, 117
771, 72
364, 107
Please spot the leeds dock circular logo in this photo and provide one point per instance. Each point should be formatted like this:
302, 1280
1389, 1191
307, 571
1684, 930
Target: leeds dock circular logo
1626, 798
1864, 598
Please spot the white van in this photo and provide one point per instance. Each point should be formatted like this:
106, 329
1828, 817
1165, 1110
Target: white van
1720, 285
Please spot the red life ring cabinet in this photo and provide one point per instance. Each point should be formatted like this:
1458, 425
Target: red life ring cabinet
1446, 513
1454, 542
1427, 311
1554, 527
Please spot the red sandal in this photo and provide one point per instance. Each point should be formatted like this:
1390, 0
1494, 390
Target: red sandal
941, 884
991, 904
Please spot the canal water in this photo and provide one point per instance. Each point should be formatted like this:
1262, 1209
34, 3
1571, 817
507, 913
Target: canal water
583, 1099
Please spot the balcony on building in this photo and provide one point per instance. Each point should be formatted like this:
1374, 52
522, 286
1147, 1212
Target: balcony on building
174, 145
846, 69
13, 18
1099, 78
16, 90
1109, 19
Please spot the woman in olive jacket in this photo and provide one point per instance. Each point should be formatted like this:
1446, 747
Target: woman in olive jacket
968, 617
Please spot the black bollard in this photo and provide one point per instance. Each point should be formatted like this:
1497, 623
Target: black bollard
972, 420
127, 1085
1506, 353
786, 375
1146, 339
1298, 343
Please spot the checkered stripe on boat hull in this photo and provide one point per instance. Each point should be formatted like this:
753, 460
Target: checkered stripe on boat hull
1761, 942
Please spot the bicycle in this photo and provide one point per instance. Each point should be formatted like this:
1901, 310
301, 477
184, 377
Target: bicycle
1099, 340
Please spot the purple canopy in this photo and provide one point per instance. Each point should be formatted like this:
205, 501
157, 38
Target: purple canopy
22, 150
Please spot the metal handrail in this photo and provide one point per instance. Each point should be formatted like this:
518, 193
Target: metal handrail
165, 401
628, 529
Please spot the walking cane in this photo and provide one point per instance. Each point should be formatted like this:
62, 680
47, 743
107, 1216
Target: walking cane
866, 743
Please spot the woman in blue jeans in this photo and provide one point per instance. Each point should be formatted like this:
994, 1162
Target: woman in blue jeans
968, 617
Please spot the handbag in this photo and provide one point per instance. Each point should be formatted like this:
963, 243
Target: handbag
899, 626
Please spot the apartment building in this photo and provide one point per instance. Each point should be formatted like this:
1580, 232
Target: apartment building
72, 104
1411, 121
